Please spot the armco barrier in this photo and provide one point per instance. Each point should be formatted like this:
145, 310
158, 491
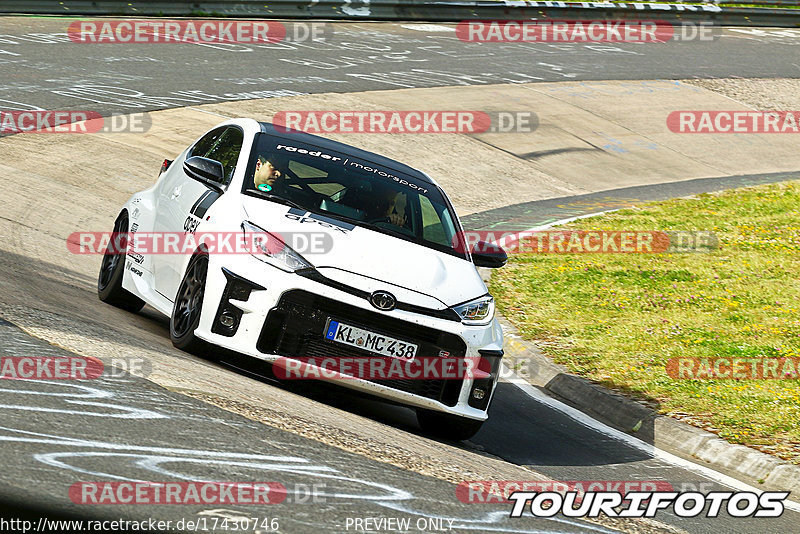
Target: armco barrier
431, 10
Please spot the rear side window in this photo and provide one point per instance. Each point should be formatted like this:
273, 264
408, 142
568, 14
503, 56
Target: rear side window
205, 143
223, 145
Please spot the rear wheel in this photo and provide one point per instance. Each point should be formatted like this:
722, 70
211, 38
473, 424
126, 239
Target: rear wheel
188, 305
109, 281
446, 426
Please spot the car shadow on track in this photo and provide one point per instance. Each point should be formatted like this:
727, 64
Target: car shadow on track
527, 431
520, 429
330, 394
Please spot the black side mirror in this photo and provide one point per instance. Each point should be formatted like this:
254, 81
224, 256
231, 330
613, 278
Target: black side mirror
488, 255
205, 170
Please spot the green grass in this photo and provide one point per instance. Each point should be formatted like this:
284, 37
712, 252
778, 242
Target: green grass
618, 318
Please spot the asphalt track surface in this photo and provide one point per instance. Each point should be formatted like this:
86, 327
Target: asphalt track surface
152, 434
42, 68
56, 434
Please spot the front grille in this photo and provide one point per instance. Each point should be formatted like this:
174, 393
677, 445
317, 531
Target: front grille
296, 328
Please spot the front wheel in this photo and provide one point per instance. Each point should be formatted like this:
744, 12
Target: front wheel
109, 281
446, 426
188, 305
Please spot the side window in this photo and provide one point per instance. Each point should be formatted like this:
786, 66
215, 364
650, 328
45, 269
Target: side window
223, 145
205, 143
432, 228
226, 151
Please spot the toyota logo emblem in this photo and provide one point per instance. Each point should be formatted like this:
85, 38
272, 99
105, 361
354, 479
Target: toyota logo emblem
383, 300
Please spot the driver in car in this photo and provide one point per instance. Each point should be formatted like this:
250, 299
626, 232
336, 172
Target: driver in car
266, 176
390, 206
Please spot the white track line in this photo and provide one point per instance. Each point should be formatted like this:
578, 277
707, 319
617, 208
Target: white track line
634, 442
194, 108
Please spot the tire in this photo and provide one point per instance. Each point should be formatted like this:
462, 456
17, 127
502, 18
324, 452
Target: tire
446, 426
109, 280
188, 307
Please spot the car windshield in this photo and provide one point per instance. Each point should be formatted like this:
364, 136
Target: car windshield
340, 186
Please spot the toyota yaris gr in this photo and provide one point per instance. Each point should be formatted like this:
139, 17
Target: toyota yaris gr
324, 260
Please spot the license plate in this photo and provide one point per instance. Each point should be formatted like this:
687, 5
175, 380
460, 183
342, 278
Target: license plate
366, 340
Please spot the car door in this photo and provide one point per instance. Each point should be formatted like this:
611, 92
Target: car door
183, 201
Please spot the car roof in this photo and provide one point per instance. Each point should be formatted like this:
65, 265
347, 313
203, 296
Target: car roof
321, 142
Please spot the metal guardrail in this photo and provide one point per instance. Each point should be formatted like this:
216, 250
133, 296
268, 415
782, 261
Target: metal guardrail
430, 10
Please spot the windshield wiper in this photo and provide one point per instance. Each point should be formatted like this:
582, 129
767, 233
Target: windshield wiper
293, 204
279, 199
381, 229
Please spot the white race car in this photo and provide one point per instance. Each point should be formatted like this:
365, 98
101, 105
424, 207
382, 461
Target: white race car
355, 258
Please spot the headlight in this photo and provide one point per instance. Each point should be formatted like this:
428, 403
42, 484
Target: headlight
477, 312
271, 249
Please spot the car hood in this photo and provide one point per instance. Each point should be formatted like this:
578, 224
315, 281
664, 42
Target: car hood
368, 259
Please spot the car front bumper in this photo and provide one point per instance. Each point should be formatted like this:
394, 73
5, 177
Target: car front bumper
284, 316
